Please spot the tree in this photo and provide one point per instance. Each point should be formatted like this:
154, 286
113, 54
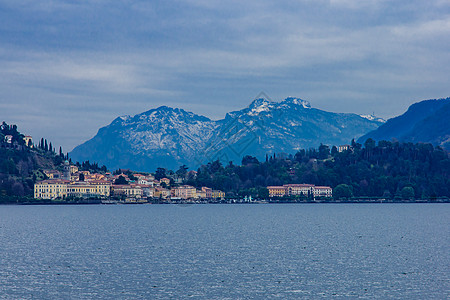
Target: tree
81, 177
324, 151
248, 159
334, 150
160, 173
182, 171
407, 193
263, 193
120, 180
343, 191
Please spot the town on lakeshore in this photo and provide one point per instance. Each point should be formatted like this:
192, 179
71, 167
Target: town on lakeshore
388, 172
143, 188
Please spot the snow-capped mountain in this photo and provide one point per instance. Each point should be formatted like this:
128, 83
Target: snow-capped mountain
267, 127
158, 137
170, 137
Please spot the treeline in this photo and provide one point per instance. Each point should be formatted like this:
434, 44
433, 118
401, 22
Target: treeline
6, 129
48, 147
389, 170
91, 167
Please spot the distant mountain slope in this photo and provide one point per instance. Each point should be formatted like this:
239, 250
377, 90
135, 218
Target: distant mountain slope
170, 137
267, 127
158, 137
427, 121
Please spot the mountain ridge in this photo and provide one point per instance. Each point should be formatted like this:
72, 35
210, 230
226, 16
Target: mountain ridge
170, 137
425, 121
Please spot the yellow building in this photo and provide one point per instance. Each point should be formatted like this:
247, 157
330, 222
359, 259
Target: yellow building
276, 191
299, 189
208, 192
127, 190
161, 193
200, 194
89, 189
51, 189
58, 188
216, 194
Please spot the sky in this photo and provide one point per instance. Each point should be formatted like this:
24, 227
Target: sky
68, 68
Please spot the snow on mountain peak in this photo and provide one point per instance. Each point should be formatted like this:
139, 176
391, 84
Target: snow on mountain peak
373, 118
125, 118
259, 105
298, 101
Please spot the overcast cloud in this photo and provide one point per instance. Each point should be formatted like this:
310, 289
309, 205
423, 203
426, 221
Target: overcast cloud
68, 68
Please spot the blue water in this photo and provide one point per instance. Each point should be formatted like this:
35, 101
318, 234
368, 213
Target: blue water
225, 251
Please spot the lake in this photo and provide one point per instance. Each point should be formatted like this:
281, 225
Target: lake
270, 251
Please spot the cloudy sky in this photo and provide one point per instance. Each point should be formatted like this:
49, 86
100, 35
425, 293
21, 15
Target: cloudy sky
68, 68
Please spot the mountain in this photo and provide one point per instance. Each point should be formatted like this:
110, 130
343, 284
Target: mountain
169, 137
159, 137
267, 127
426, 121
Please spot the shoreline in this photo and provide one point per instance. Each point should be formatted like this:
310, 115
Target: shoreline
109, 202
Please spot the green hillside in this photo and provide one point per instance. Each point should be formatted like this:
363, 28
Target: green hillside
21, 165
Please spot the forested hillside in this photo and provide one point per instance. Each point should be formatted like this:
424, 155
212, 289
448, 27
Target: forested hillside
426, 122
21, 165
388, 170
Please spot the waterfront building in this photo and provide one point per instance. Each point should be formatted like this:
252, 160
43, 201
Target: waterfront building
162, 193
217, 194
208, 192
184, 192
127, 190
299, 189
91, 189
51, 189
323, 191
147, 191
276, 191
200, 194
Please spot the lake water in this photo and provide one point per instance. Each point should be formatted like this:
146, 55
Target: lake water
225, 251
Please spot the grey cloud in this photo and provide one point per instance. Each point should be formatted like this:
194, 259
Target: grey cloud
95, 60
